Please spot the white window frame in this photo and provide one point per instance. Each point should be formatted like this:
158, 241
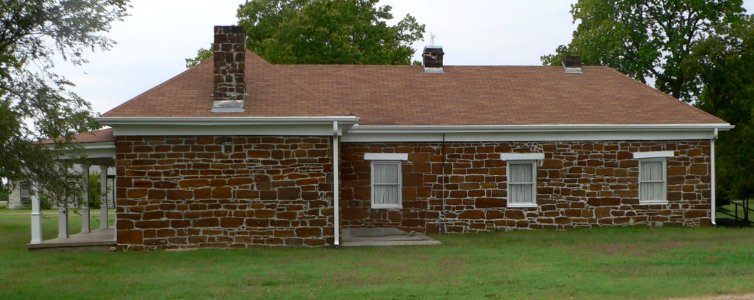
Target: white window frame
395, 159
531, 159
397, 164
533, 183
656, 156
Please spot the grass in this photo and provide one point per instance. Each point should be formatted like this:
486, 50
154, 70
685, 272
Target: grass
612, 263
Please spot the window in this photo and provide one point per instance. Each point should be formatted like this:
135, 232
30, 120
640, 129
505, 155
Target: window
387, 180
386, 184
522, 178
653, 176
652, 180
522, 183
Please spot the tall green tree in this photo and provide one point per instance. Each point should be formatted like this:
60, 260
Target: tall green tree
726, 70
326, 32
647, 39
35, 102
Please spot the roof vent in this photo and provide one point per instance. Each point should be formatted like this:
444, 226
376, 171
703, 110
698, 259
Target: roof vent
572, 64
432, 59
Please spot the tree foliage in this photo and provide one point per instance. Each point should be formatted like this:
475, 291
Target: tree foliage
201, 55
725, 64
327, 32
647, 39
35, 102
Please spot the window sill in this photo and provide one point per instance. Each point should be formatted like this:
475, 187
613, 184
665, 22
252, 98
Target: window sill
386, 207
653, 202
522, 205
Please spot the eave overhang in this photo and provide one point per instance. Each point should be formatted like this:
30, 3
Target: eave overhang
544, 132
151, 126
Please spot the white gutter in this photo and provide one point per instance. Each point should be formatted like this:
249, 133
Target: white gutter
532, 128
336, 185
712, 175
224, 120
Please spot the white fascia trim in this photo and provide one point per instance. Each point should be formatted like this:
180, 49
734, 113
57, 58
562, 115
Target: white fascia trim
324, 129
512, 133
653, 154
288, 126
101, 145
365, 137
386, 156
533, 128
210, 121
522, 156
88, 146
91, 151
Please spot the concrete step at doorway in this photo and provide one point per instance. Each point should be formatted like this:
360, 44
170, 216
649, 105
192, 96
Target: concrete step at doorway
384, 236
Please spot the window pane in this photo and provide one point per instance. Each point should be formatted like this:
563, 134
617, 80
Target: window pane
651, 191
386, 195
651, 171
386, 173
521, 193
520, 173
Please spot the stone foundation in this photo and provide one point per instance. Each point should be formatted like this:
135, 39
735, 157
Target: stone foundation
579, 184
235, 191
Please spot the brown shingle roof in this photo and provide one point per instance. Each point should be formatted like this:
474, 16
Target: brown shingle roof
97, 136
405, 95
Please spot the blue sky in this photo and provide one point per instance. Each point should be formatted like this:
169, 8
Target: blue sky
154, 41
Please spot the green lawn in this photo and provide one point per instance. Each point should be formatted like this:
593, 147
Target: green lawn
616, 263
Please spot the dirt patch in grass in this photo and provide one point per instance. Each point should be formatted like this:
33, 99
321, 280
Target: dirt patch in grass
720, 297
634, 249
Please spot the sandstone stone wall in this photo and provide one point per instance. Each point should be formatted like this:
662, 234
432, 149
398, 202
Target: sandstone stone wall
579, 184
235, 191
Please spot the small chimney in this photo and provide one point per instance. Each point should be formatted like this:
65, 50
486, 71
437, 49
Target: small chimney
572, 64
432, 57
229, 49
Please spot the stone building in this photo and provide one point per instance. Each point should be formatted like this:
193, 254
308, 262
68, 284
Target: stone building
237, 151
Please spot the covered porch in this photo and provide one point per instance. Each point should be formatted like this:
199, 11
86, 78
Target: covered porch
99, 150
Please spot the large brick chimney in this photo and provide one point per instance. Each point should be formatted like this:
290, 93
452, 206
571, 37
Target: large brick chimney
229, 51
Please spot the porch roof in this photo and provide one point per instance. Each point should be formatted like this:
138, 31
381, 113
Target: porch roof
98, 146
97, 136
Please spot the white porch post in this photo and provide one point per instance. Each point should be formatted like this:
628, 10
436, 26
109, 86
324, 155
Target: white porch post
85, 228
103, 197
63, 220
36, 216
